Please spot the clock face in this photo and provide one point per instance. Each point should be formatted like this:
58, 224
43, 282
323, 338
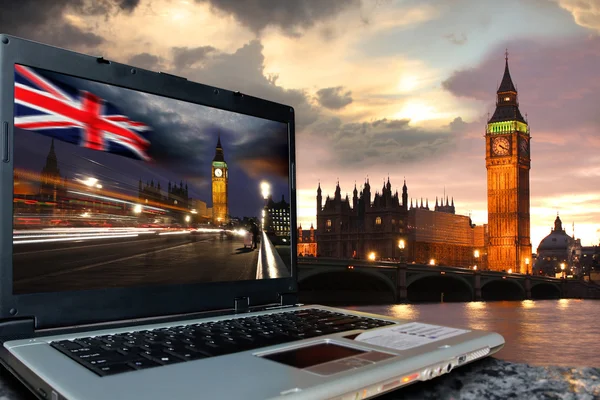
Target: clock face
524, 147
218, 172
500, 146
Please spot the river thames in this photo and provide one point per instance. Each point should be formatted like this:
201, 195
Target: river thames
562, 332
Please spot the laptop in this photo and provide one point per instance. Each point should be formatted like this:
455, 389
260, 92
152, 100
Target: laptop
147, 247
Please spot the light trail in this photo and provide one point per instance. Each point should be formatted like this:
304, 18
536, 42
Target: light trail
73, 238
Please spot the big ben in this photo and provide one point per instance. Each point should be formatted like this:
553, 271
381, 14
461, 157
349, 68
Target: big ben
220, 178
508, 163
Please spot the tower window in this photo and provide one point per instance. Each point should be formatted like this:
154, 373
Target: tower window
507, 99
329, 223
378, 221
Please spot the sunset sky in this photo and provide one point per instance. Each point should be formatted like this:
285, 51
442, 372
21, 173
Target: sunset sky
398, 88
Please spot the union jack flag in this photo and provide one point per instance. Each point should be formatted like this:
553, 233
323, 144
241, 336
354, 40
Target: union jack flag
75, 116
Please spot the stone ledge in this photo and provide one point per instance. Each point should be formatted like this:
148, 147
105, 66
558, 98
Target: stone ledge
489, 379
496, 379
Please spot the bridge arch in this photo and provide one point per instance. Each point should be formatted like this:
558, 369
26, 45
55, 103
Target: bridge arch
502, 289
358, 285
430, 287
545, 291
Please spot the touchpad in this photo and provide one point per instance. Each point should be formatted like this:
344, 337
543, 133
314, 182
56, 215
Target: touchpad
327, 358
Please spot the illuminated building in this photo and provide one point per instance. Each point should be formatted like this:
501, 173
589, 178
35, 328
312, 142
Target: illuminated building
558, 248
307, 242
220, 180
445, 237
277, 217
357, 229
508, 164
379, 229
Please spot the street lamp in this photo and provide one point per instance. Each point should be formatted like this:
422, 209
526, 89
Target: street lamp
187, 218
137, 209
401, 246
372, 256
432, 262
527, 265
510, 271
562, 268
476, 255
265, 189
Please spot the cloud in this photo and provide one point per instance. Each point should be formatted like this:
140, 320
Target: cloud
585, 12
458, 40
146, 61
185, 57
242, 70
45, 21
333, 97
382, 142
558, 85
289, 16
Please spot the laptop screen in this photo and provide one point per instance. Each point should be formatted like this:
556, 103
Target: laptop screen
119, 188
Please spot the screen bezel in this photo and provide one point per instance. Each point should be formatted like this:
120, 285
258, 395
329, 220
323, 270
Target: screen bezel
59, 309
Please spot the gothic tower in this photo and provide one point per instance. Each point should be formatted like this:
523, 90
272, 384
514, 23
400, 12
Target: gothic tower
220, 178
508, 163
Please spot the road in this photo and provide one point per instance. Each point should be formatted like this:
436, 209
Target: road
143, 259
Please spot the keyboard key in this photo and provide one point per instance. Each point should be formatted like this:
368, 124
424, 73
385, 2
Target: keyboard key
112, 369
112, 354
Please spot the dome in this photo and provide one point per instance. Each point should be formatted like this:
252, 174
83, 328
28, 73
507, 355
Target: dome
557, 239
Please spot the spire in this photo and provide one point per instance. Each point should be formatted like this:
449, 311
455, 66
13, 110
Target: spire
507, 84
557, 224
219, 156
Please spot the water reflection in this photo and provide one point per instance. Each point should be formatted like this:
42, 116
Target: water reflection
546, 332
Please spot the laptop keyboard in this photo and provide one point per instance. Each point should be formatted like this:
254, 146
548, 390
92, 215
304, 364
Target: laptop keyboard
114, 354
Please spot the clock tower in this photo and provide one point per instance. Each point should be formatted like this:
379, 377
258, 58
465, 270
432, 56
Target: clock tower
220, 178
508, 163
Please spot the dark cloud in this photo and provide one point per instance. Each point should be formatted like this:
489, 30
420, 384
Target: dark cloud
185, 57
44, 20
391, 123
334, 97
393, 142
458, 40
290, 16
146, 61
558, 83
243, 70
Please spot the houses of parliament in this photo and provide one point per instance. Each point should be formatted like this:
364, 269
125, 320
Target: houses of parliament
388, 228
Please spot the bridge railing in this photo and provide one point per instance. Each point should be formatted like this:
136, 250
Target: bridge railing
270, 264
337, 262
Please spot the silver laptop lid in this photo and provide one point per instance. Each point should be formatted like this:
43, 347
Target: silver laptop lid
128, 193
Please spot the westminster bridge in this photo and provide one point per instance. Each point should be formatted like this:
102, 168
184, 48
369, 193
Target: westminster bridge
337, 280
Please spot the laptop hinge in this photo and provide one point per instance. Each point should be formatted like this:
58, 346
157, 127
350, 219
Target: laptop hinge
18, 328
242, 304
288, 299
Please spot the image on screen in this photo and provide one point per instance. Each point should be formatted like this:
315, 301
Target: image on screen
119, 188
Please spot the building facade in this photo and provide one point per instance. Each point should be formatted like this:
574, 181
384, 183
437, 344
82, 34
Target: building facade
443, 238
277, 217
307, 242
220, 178
508, 163
387, 228
361, 228
558, 250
